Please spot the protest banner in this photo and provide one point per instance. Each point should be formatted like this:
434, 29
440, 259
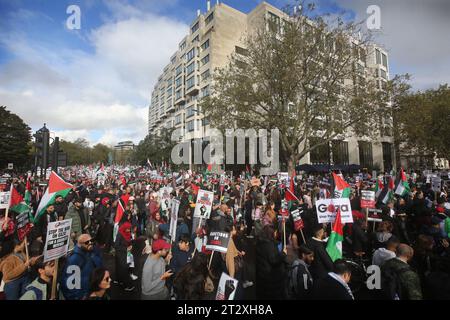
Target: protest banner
227, 287
164, 195
367, 199
203, 205
4, 199
326, 210
173, 219
23, 224
218, 241
436, 184
58, 237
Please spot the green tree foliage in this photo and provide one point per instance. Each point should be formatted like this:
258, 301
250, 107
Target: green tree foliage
302, 76
156, 148
15, 138
79, 152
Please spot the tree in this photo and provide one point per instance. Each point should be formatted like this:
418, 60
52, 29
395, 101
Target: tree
100, 153
156, 148
423, 121
15, 138
303, 76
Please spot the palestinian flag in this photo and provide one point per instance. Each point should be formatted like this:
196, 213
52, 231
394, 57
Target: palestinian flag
341, 188
401, 184
119, 214
15, 198
28, 192
334, 245
289, 194
378, 188
56, 186
387, 193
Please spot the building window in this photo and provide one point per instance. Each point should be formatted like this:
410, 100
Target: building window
365, 154
384, 60
274, 22
169, 92
383, 74
205, 45
321, 154
190, 55
205, 121
190, 126
205, 91
195, 27
178, 70
190, 68
178, 94
196, 39
172, 61
241, 51
190, 112
387, 156
205, 60
178, 82
190, 82
178, 119
378, 56
183, 45
206, 75
340, 152
209, 18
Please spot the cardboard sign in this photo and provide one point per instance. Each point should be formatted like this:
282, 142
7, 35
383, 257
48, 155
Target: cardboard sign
174, 218
297, 217
227, 287
58, 237
164, 195
23, 224
218, 241
367, 199
4, 199
203, 205
326, 210
436, 184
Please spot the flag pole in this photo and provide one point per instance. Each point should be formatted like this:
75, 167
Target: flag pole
55, 278
210, 260
284, 231
26, 249
303, 236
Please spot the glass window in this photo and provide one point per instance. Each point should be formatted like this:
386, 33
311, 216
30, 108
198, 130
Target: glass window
378, 56
178, 70
195, 27
178, 119
190, 82
241, 51
205, 91
383, 74
183, 45
205, 60
178, 94
190, 126
384, 60
209, 18
196, 39
205, 45
190, 68
190, 112
190, 54
169, 92
206, 75
178, 82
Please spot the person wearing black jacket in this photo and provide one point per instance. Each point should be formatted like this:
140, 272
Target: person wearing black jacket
301, 284
271, 266
122, 245
322, 263
335, 285
360, 240
39, 231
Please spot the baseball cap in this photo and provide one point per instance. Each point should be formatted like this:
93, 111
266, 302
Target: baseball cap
160, 244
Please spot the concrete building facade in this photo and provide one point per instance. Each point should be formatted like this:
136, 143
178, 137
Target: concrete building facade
214, 36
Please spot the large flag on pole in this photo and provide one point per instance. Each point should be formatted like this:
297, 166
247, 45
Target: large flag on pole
56, 186
334, 245
289, 194
401, 184
387, 193
378, 188
119, 214
341, 188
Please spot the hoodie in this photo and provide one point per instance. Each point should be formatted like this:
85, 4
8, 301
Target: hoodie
381, 255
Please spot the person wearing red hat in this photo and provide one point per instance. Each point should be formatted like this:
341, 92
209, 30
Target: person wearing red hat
154, 274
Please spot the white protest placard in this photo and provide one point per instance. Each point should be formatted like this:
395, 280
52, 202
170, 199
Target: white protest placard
218, 241
436, 184
227, 287
164, 195
173, 218
10, 166
283, 176
203, 206
326, 210
58, 237
4, 199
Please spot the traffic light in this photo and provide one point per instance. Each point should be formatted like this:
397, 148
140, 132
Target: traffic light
42, 137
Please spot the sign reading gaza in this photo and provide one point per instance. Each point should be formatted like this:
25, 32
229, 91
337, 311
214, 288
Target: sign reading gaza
327, 208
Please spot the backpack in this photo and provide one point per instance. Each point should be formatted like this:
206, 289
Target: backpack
391, 287
293, 280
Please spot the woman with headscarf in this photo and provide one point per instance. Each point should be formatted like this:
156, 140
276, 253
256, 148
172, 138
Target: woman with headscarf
122, 246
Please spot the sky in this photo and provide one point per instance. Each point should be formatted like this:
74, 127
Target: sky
95, 83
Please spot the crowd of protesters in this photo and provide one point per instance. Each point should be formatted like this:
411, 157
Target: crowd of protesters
409, 241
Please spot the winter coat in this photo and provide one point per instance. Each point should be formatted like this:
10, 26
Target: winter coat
322, 263
329, 288
40, 228
80, 219
409, 280
86, 262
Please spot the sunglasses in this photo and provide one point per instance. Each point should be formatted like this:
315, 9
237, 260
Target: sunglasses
89, 242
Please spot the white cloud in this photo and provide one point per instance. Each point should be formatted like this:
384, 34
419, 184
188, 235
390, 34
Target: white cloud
100, 96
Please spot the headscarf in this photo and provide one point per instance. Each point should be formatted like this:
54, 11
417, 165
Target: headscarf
126, 234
